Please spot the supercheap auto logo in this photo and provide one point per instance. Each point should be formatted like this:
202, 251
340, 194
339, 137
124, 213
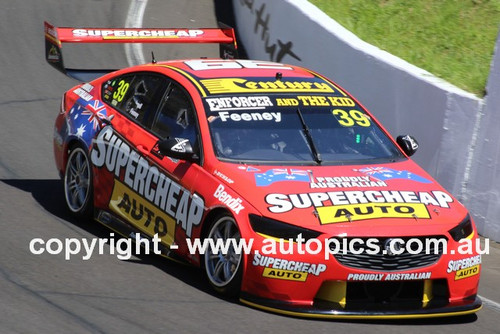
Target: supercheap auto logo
346, 206
287, 269
464, 268
141, 192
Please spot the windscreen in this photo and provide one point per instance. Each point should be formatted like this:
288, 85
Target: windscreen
295, 130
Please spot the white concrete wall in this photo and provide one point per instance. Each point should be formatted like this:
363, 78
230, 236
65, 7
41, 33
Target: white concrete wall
483, 185
407, 100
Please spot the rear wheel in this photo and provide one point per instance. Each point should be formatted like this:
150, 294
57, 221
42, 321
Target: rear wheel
78, 183
224, 271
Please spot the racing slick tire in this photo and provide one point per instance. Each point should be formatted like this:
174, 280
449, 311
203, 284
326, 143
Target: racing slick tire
224, 271
78, 190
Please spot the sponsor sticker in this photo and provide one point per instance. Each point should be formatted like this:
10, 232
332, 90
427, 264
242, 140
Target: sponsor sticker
347, 206
353, 212
389, 277
53, 55
138, 33
287, 269
238, 102
223, 176
145, 183
284, 274
234, 203
250, 117
465, 268
242, 85
346, 182
280, 203
84, 92
316, 101
147, 217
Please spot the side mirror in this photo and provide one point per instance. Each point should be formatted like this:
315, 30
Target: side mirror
177, 148
408, 144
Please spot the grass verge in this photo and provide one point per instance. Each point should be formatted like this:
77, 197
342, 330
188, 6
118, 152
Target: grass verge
452, 39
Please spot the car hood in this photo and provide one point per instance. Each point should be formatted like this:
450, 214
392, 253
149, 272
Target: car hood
361, 200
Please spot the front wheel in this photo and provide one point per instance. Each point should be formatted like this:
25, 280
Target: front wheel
224, 269
78, 183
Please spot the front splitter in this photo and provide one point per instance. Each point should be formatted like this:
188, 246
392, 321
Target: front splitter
459, 309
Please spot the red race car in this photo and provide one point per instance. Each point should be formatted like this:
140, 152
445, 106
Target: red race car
271, 177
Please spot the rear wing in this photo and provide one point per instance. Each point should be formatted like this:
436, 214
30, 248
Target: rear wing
56, 36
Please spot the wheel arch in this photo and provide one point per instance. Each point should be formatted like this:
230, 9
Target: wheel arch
71, 143
209, 218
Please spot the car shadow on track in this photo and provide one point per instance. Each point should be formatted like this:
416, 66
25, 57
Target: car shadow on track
50, 195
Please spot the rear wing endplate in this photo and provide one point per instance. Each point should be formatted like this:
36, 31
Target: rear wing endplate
56, 36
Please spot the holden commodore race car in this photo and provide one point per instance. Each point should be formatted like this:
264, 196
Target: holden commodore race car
318, 212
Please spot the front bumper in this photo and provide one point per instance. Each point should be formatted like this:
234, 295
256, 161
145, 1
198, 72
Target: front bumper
310, 286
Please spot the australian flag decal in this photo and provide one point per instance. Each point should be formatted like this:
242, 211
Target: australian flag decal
280, 174
384, 174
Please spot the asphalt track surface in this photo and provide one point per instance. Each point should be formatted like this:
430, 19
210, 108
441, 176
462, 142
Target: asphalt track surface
48, 294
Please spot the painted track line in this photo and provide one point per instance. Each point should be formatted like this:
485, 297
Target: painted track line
135, 15
490, 304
